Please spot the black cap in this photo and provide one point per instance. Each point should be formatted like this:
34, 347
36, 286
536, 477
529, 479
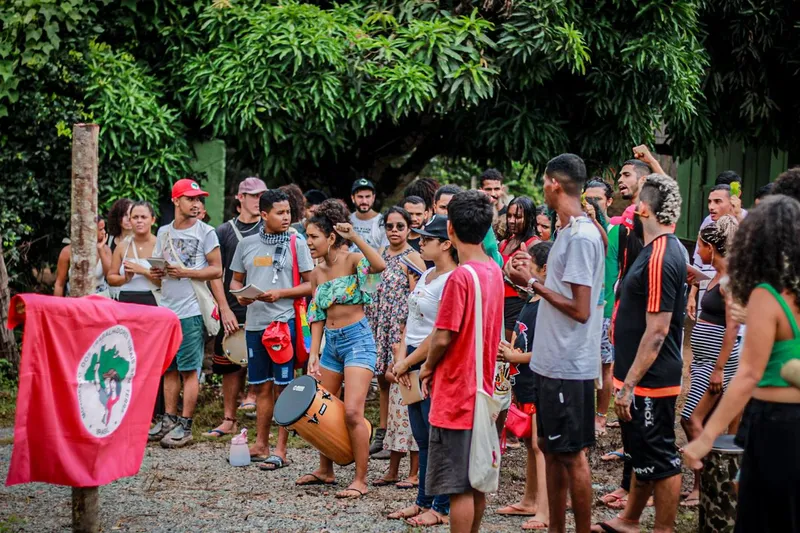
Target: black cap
362, 183
315, 196
436, 228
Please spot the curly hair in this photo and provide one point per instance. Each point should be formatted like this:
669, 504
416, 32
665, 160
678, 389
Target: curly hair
117, 212
425, 188
766, 249
720, 234
297, 202
329, 213
663, 196
788, 183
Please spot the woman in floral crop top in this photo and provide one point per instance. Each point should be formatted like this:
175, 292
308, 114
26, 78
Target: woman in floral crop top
342, 285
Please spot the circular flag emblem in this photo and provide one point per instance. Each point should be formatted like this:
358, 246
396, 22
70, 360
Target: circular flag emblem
195, 186
105, 381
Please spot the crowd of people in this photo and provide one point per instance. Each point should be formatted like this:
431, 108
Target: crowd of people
564, 304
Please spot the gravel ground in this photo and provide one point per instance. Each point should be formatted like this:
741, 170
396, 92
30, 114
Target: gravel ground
196, 490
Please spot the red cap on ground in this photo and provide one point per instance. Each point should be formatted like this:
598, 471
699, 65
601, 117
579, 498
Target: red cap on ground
187, 187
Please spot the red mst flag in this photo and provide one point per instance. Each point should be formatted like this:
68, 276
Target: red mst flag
88, 381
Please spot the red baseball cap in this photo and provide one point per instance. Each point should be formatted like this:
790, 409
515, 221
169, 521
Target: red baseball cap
626, 219
278, 341
187, 187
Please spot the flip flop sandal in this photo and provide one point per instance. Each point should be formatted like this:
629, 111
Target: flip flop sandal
259, 458
316, 481
691, 502
515, 510
606, 528
612, 424
406, 485
344, 496
401, 515
613, 456
610, 498
537, 524
440, 520
247, 406
274, 462
381, 482
619, 504
217, 433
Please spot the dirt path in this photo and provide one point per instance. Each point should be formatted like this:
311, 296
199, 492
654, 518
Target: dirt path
196, 490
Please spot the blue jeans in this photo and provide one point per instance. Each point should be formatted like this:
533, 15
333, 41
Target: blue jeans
420, 428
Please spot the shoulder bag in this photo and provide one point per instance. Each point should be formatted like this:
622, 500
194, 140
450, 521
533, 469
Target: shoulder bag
484, 453
204, 298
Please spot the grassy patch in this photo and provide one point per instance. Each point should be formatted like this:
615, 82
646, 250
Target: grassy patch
12, 523
8, 394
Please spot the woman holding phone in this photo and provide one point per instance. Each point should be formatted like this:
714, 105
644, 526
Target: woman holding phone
423, 306
130, 269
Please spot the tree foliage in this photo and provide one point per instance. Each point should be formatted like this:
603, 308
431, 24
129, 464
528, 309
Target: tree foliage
319, 92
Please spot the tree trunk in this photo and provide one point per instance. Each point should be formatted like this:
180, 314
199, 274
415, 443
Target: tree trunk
83, 261
83, 237
8, 344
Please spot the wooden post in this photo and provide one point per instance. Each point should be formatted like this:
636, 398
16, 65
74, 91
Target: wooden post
83, 261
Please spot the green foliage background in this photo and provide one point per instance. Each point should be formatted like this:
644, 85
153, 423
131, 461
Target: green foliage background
318, 93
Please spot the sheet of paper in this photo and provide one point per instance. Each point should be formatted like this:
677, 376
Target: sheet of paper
248, 291
699, 275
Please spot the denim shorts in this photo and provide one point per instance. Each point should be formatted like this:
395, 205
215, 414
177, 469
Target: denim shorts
351, 345
260, 366
192, 349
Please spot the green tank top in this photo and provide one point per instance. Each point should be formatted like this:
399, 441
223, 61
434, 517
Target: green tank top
782, 351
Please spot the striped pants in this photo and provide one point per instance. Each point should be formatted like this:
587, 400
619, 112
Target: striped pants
706, 343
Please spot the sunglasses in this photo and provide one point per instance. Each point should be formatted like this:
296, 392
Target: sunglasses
390, 227
423, 239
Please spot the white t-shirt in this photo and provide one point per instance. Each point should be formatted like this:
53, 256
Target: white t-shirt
423, 305
370, 230
192, 245
564, 348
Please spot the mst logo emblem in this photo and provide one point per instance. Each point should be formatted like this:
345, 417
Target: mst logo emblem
105, 381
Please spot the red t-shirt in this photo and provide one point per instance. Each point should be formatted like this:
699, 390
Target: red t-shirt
453, 387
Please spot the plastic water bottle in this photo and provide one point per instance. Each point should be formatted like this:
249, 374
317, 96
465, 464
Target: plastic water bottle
240, 453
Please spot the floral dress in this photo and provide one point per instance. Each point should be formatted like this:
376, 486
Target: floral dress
389, 309
398, 436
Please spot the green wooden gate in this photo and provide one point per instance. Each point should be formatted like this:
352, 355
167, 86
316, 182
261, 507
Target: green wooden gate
756, 166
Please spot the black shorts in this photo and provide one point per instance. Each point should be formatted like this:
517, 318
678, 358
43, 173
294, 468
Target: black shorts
564, 413
220, 364
448, 461
649, 438
769, 492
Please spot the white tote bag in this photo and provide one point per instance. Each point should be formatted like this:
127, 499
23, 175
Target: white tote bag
484, 453
204, 298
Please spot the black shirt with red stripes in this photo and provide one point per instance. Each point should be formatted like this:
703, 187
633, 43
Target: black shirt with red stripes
654, 283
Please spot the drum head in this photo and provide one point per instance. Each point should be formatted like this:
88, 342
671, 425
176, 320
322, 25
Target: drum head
234, 347
295, 400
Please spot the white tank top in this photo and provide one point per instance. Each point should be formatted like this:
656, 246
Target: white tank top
138, 283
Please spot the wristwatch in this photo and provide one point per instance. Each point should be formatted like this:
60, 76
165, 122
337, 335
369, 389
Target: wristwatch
531, 282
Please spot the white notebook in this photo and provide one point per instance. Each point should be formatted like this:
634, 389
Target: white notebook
248, 291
